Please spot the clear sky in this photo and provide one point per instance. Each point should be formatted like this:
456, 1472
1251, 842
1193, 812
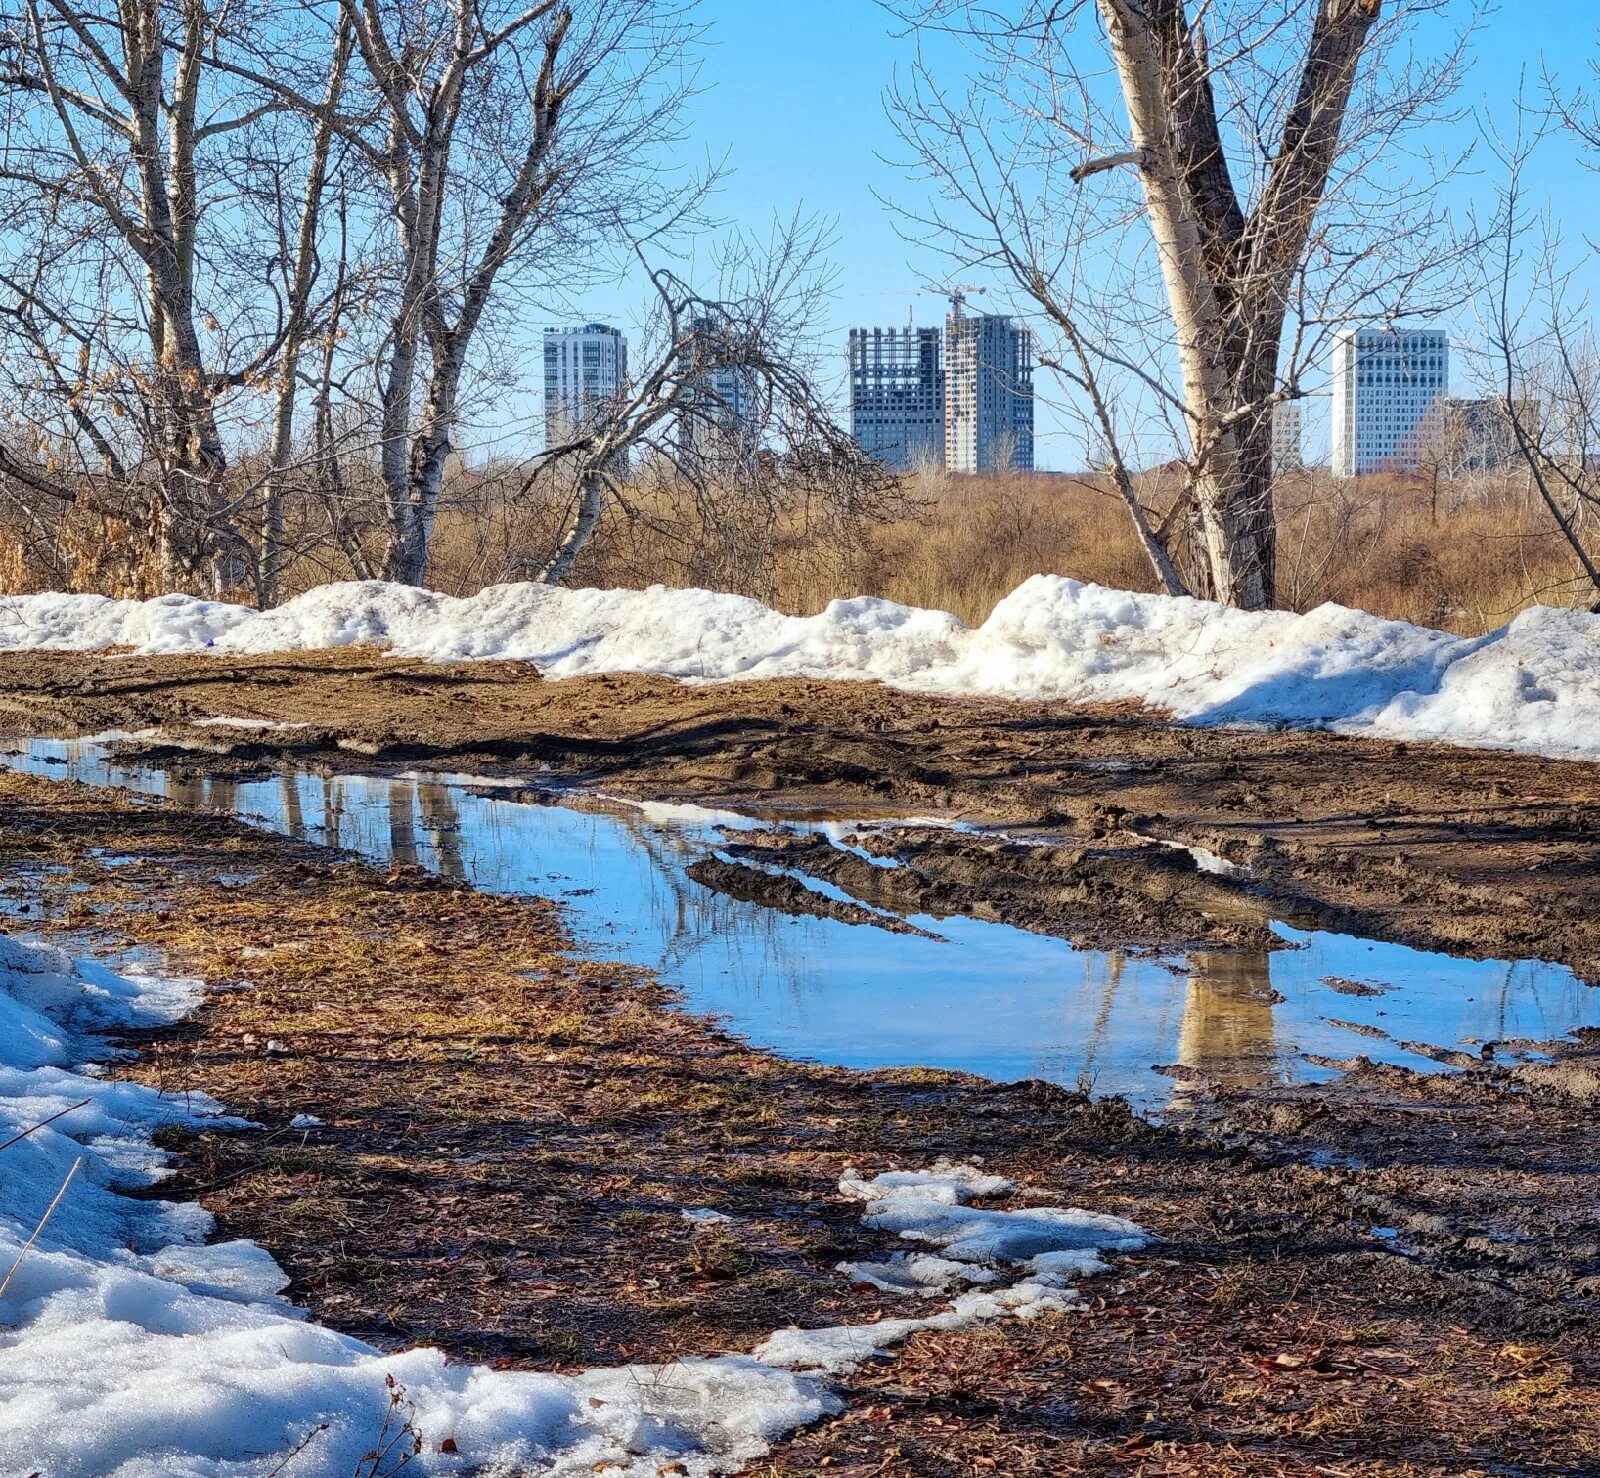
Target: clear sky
793, 95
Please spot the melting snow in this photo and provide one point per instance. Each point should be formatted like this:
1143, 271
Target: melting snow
1533, 685
129, 1348
132, 1348
220, 721
1045, 1249
946, 1181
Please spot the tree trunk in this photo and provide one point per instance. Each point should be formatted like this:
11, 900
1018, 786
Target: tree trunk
294, 333
1228, 276
591, 500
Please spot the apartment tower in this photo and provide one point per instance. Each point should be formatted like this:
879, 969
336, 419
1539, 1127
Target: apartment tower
722, 413
1385, 382
988, 392
1287, 437
583, 369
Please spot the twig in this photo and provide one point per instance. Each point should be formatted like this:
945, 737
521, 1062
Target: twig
24, 1133
49, 1211
304, 1443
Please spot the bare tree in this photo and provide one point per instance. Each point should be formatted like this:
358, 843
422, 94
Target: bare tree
1542, 357
502, 135
723, 413
300, 266
1238, 145
112, 113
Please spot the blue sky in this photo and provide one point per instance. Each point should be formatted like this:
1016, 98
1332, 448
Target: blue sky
793, 96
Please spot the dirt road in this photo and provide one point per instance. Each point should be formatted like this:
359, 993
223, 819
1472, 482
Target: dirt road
1471, 851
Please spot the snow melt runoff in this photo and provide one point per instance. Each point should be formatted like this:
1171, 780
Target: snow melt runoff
1533, 685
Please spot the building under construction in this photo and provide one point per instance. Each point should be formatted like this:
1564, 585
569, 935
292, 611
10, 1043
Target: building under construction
961, 399
988, 420
897, 395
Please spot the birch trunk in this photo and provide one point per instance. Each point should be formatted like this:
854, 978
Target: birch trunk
1228, 275
294, 334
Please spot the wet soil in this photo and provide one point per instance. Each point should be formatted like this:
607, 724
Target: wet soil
1099, 897
1389, 1275
1475, 852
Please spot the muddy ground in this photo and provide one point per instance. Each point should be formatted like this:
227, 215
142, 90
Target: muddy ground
510, 1135
1471, 851
1394, 1273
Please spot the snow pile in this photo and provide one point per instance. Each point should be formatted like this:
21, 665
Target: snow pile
1534, 685
954, 1184
1045, 1250
129, 1349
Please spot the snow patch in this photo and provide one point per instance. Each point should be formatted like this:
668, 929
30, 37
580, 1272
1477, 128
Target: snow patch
1532, 685
947, 1181
220, 721
131, 1348
1045, 1250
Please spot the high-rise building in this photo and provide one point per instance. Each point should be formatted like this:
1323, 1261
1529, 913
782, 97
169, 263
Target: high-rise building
1476, 435
1287, 432
988, 394
1385, 381
583, 369
721, 415
897, 395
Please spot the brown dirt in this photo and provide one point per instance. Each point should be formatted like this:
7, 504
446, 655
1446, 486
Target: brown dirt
1472, 851
510, 1134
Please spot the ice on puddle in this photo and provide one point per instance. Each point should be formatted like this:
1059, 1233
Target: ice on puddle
133, 1349
1532, 685
954, 1184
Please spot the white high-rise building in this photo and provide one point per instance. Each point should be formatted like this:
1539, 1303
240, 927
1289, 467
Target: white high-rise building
1385, 381
1287, 431
583, 369
988, 394
722, 412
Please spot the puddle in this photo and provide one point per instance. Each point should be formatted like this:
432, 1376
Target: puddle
986, 998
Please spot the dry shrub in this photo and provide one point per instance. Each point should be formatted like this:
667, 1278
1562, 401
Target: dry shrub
1466, 557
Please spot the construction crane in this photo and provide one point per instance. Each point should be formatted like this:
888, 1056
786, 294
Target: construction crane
957, 293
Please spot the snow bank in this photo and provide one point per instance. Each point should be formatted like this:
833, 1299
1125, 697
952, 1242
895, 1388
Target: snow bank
1534, 685
130, 1349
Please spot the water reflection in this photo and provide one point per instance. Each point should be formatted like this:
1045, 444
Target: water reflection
985, 997
1229, 1029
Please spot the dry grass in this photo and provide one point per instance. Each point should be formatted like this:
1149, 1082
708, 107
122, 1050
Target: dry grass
1467, 560
1466, 556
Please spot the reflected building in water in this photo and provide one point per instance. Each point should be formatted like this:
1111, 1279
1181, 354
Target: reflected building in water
1228, 1034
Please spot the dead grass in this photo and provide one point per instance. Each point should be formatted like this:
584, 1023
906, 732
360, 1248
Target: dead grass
1467, 558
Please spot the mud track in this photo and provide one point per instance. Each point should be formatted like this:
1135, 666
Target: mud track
1476, 852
